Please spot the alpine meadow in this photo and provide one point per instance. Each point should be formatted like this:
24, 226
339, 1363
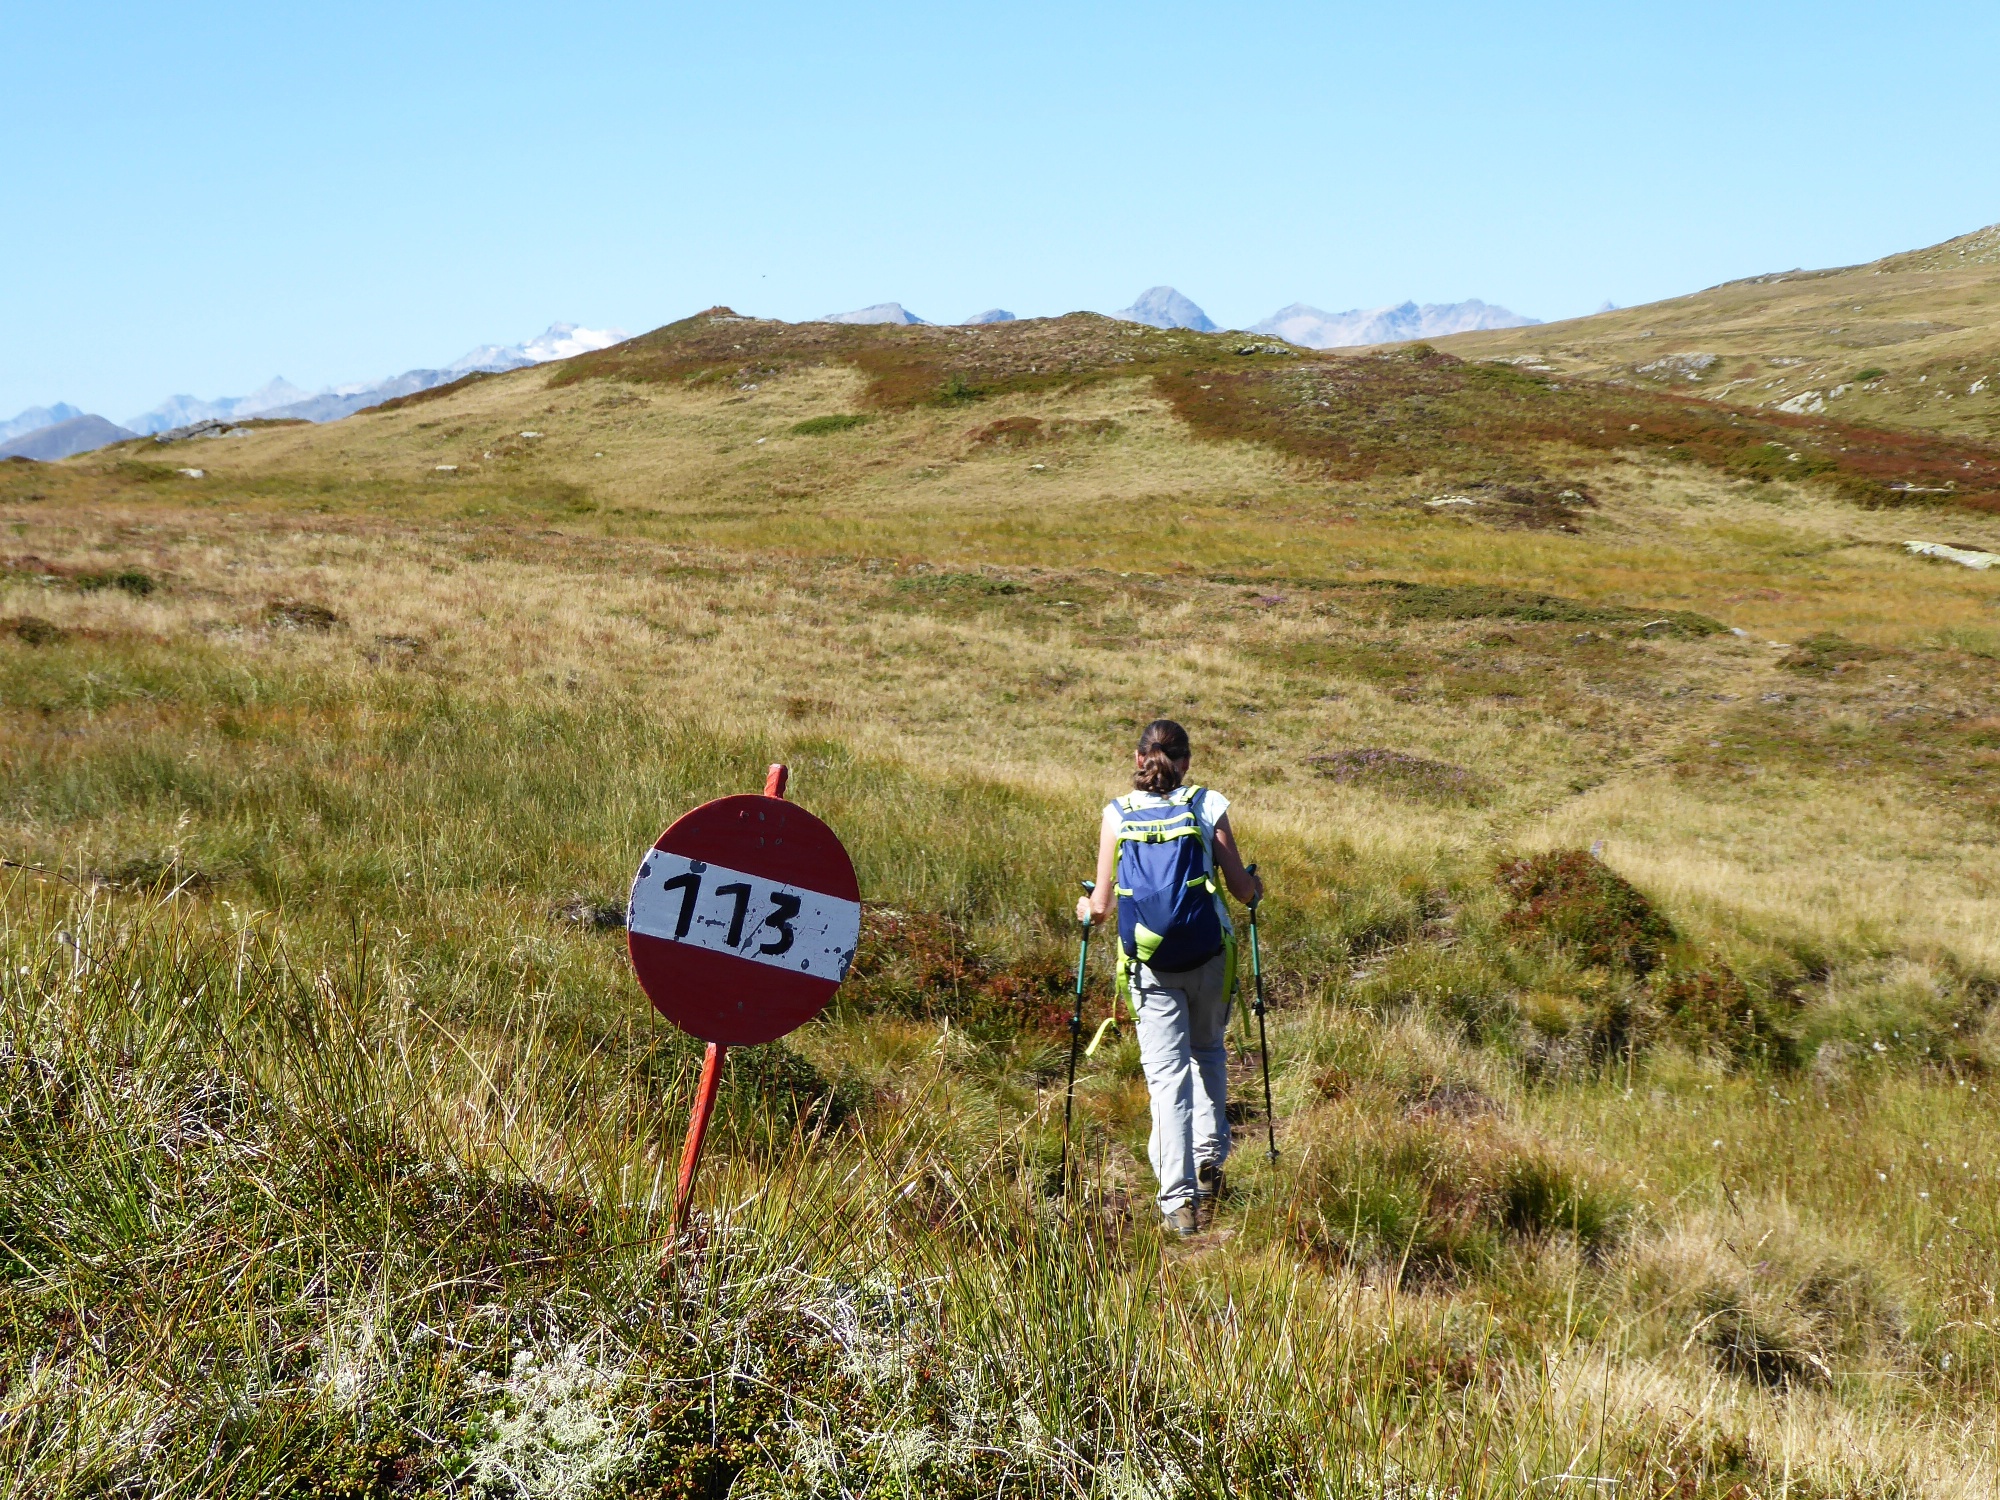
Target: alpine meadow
1623, 783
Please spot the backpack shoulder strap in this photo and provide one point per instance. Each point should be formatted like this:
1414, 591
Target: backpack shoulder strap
1186, 796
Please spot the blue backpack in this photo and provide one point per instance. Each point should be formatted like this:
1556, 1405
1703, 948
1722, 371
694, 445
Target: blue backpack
1167, 916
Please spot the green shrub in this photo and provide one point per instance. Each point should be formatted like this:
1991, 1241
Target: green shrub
33, 630
839, 422
1826, 652
127, 580
975, 584
1433, 1196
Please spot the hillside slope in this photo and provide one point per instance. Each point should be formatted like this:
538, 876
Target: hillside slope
1912, 340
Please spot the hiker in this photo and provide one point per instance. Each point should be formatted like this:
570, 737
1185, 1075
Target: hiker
1157, 856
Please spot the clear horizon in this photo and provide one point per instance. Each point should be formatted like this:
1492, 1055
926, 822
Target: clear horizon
340, 196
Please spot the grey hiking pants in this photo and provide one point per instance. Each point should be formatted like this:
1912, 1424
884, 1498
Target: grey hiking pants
1181, 1018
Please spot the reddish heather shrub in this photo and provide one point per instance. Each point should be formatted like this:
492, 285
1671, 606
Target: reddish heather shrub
1569, 898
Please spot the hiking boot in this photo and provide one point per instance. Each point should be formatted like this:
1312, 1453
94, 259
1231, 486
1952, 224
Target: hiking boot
1182, 1221
1209, 1183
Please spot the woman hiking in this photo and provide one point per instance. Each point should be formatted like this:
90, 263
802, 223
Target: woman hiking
1157, 856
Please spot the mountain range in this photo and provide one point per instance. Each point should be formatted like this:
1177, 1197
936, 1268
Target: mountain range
1164, 307
1300, 324
895, 312
279, 398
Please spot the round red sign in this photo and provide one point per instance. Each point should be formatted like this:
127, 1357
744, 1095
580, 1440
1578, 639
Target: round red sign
744, 918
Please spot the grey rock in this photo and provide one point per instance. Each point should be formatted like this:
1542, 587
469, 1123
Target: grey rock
589, 914
211, 427
299, 614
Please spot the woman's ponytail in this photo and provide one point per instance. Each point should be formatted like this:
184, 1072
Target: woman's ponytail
1163, 750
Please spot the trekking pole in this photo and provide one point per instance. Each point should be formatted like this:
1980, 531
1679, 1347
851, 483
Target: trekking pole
1075, 1041
1263, 1046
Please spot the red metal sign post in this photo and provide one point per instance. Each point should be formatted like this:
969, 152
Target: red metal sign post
744, 919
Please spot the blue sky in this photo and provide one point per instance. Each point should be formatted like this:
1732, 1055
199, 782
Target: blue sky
202, 196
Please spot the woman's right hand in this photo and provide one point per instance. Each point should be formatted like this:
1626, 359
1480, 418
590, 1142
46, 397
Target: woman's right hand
1083, 910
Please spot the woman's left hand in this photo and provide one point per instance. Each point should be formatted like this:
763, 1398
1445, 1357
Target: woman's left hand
1083, 910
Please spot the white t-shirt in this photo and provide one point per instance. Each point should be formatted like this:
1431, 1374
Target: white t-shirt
1208, 805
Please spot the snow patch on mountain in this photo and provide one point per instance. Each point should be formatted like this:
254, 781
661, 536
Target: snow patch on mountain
1314, 329
557, 341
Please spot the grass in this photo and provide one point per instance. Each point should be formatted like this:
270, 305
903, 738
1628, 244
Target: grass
337, 1140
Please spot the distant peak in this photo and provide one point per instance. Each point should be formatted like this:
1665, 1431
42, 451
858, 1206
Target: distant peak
880, 312
1163, 307
992, 315
35, 418
272, 394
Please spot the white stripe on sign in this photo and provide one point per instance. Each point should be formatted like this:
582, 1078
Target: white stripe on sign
725, 911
